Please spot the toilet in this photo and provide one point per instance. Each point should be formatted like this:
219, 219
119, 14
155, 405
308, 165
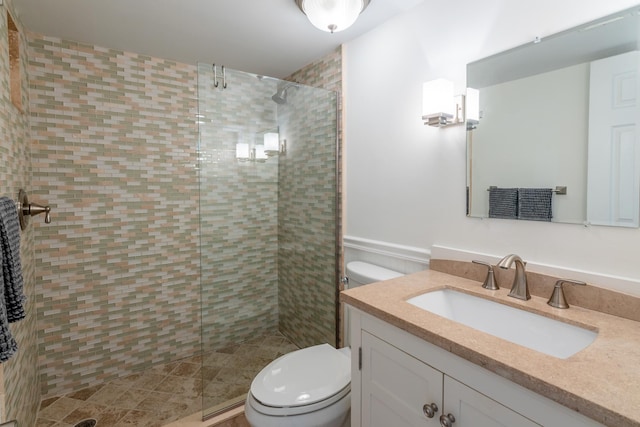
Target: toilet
311, 386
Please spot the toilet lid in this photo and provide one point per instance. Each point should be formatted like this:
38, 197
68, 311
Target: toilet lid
302, 377
363, 272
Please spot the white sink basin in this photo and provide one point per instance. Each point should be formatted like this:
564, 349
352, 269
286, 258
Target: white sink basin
530, 330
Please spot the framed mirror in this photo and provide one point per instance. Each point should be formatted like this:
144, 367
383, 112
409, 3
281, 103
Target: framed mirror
557, 138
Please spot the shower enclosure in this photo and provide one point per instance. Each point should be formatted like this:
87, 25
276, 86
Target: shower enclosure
268, 225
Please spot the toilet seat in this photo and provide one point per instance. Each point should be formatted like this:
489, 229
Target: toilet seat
275, 411
303, 381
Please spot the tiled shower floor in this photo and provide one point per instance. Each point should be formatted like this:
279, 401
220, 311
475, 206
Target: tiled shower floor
166, 393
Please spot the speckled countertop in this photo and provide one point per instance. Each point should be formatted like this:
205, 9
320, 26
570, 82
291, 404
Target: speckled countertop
602, 381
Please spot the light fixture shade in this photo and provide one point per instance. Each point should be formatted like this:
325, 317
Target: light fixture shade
472, 108
332, 15
242, 151
271, 142
437, 98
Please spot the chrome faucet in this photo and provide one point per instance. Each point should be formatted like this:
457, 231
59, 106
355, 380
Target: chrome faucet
519, 289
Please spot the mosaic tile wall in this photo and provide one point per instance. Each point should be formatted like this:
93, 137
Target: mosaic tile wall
114, 153
21, 395
238, 202
307, 206
271, 244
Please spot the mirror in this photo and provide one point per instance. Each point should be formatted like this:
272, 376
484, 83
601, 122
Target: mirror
557, 138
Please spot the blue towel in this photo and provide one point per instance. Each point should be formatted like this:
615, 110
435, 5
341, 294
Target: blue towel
12, 297
503, 203
8, 345
535, 204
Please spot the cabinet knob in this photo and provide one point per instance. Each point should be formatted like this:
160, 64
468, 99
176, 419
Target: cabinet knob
430, 409
447, 420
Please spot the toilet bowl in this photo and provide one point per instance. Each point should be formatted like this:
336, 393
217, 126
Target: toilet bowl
310, 387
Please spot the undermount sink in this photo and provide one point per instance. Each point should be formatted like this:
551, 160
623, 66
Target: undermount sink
540, 333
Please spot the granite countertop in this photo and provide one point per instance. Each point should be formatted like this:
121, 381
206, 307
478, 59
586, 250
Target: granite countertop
602, 381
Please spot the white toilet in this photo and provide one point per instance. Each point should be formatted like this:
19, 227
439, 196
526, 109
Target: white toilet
311, 386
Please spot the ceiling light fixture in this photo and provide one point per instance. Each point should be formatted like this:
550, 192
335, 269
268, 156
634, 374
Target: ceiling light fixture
332, 15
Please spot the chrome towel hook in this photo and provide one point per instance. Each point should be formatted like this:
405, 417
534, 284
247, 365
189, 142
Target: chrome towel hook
26, 209
224, 78
215, 77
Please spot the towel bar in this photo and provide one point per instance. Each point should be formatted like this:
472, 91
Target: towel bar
26, 209
560, 190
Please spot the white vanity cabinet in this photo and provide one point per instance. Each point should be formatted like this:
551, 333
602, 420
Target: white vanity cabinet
400, 390
398, 380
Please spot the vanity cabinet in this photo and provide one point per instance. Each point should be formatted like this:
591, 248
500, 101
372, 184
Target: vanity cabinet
399, 380
400, 390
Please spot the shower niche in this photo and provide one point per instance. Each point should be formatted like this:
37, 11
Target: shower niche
267, 164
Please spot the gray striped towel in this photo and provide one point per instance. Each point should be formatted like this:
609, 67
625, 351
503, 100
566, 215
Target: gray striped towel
8, 345
535, 204
11, 266
503, 203
12, 296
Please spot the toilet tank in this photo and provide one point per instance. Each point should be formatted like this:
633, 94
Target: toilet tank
361, 273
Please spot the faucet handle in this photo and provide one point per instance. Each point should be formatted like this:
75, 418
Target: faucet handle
557, 299
490, 281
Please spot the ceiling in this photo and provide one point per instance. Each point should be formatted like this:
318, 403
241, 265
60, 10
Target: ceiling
267, 37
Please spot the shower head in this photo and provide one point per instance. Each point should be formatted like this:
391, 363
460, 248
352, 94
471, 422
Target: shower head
280, 97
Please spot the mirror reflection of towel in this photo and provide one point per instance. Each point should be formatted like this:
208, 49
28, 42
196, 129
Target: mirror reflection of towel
503, 203
535, 204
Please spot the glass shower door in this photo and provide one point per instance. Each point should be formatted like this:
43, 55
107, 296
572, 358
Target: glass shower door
256, 210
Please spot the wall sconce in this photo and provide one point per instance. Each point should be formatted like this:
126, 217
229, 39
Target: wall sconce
261, 152
439, 107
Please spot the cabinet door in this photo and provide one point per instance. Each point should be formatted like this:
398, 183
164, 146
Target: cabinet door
473, 409
396, 386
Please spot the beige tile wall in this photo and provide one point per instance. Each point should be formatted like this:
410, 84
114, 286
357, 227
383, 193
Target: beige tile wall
114, 153
114, 149
269, 249
307, 208
238, 202
20, 379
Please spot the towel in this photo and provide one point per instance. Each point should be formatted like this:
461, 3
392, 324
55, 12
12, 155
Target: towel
8, 345
12, 297
11, 266
535, 204
503, 203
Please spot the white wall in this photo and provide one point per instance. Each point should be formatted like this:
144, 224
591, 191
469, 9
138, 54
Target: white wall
405, 182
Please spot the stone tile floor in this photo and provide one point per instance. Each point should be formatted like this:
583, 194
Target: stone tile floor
166, 393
